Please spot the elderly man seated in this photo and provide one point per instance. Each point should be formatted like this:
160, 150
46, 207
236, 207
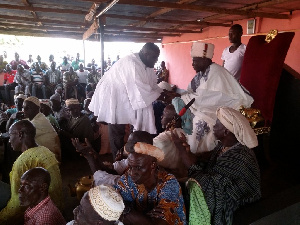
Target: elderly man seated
152, 195
33, 194
100, 205
230, 178
212, 87
45, 133
22, 138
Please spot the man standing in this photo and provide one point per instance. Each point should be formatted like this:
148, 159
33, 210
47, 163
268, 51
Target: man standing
212, 87
33, 193
233, 55
14, 64
162, 73
22, 138
125, 93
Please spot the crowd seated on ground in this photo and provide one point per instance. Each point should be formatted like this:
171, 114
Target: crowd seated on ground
56, 118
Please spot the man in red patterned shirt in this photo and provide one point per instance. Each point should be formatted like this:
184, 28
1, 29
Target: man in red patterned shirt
9, 83
33, 193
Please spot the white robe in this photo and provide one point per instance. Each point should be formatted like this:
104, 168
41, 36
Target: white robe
125, 93
220, 89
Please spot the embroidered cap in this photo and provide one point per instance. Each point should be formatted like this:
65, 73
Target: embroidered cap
72, 101
22, 96
201, 49
165, 85
107, 202
34, 100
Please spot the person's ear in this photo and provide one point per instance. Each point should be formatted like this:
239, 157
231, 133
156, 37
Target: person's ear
153, 166
21, 134
226, 132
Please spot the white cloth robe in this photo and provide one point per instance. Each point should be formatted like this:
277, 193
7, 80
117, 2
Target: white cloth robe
220, 89
125, 93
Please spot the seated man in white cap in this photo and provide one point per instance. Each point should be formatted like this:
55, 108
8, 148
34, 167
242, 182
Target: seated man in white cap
231, 176
45, 133
212, 87
100, 205
152, 195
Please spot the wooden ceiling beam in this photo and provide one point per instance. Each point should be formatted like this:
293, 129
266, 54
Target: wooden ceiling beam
200, 8
42, 28
42, 9
132, 28
61, 22
166, 21
249, 7
157, 35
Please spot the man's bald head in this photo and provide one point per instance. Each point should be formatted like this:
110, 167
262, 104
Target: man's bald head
149, 54
38, 174
24, 126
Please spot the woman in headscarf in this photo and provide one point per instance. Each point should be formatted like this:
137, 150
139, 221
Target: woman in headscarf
230, 178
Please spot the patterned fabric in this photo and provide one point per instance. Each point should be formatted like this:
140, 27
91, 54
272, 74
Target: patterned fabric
199, 213
93, 78
228, 181
45, 213
166, 195
31, 158
69, 77
53, 76
201, 129
195, 83
9, 77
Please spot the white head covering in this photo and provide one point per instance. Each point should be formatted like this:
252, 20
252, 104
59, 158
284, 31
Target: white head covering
147, 149
165, 85
237, 124
107, 202
34, 100
200, 49
22, 96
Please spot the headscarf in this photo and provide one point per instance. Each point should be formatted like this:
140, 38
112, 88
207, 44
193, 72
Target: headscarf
34, 100
237, 124
147, 149
187, 119
107, 202
204, 50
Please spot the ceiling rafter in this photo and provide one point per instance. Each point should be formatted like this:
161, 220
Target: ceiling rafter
116, 27
42, 9
249, 7
198, 8
166, 21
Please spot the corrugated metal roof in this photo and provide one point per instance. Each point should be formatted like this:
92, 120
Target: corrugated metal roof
133, 20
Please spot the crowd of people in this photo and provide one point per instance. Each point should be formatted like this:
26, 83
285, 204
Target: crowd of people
188, 158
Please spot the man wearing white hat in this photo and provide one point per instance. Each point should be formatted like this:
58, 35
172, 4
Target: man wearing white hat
45, 133
212, 87
100, 205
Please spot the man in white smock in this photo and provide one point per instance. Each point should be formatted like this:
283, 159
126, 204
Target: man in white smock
212, 87
125, 93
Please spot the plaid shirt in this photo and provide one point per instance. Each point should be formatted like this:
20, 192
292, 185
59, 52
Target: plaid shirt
44, 213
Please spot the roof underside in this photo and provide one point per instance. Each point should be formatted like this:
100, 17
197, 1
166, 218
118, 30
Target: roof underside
132, 20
